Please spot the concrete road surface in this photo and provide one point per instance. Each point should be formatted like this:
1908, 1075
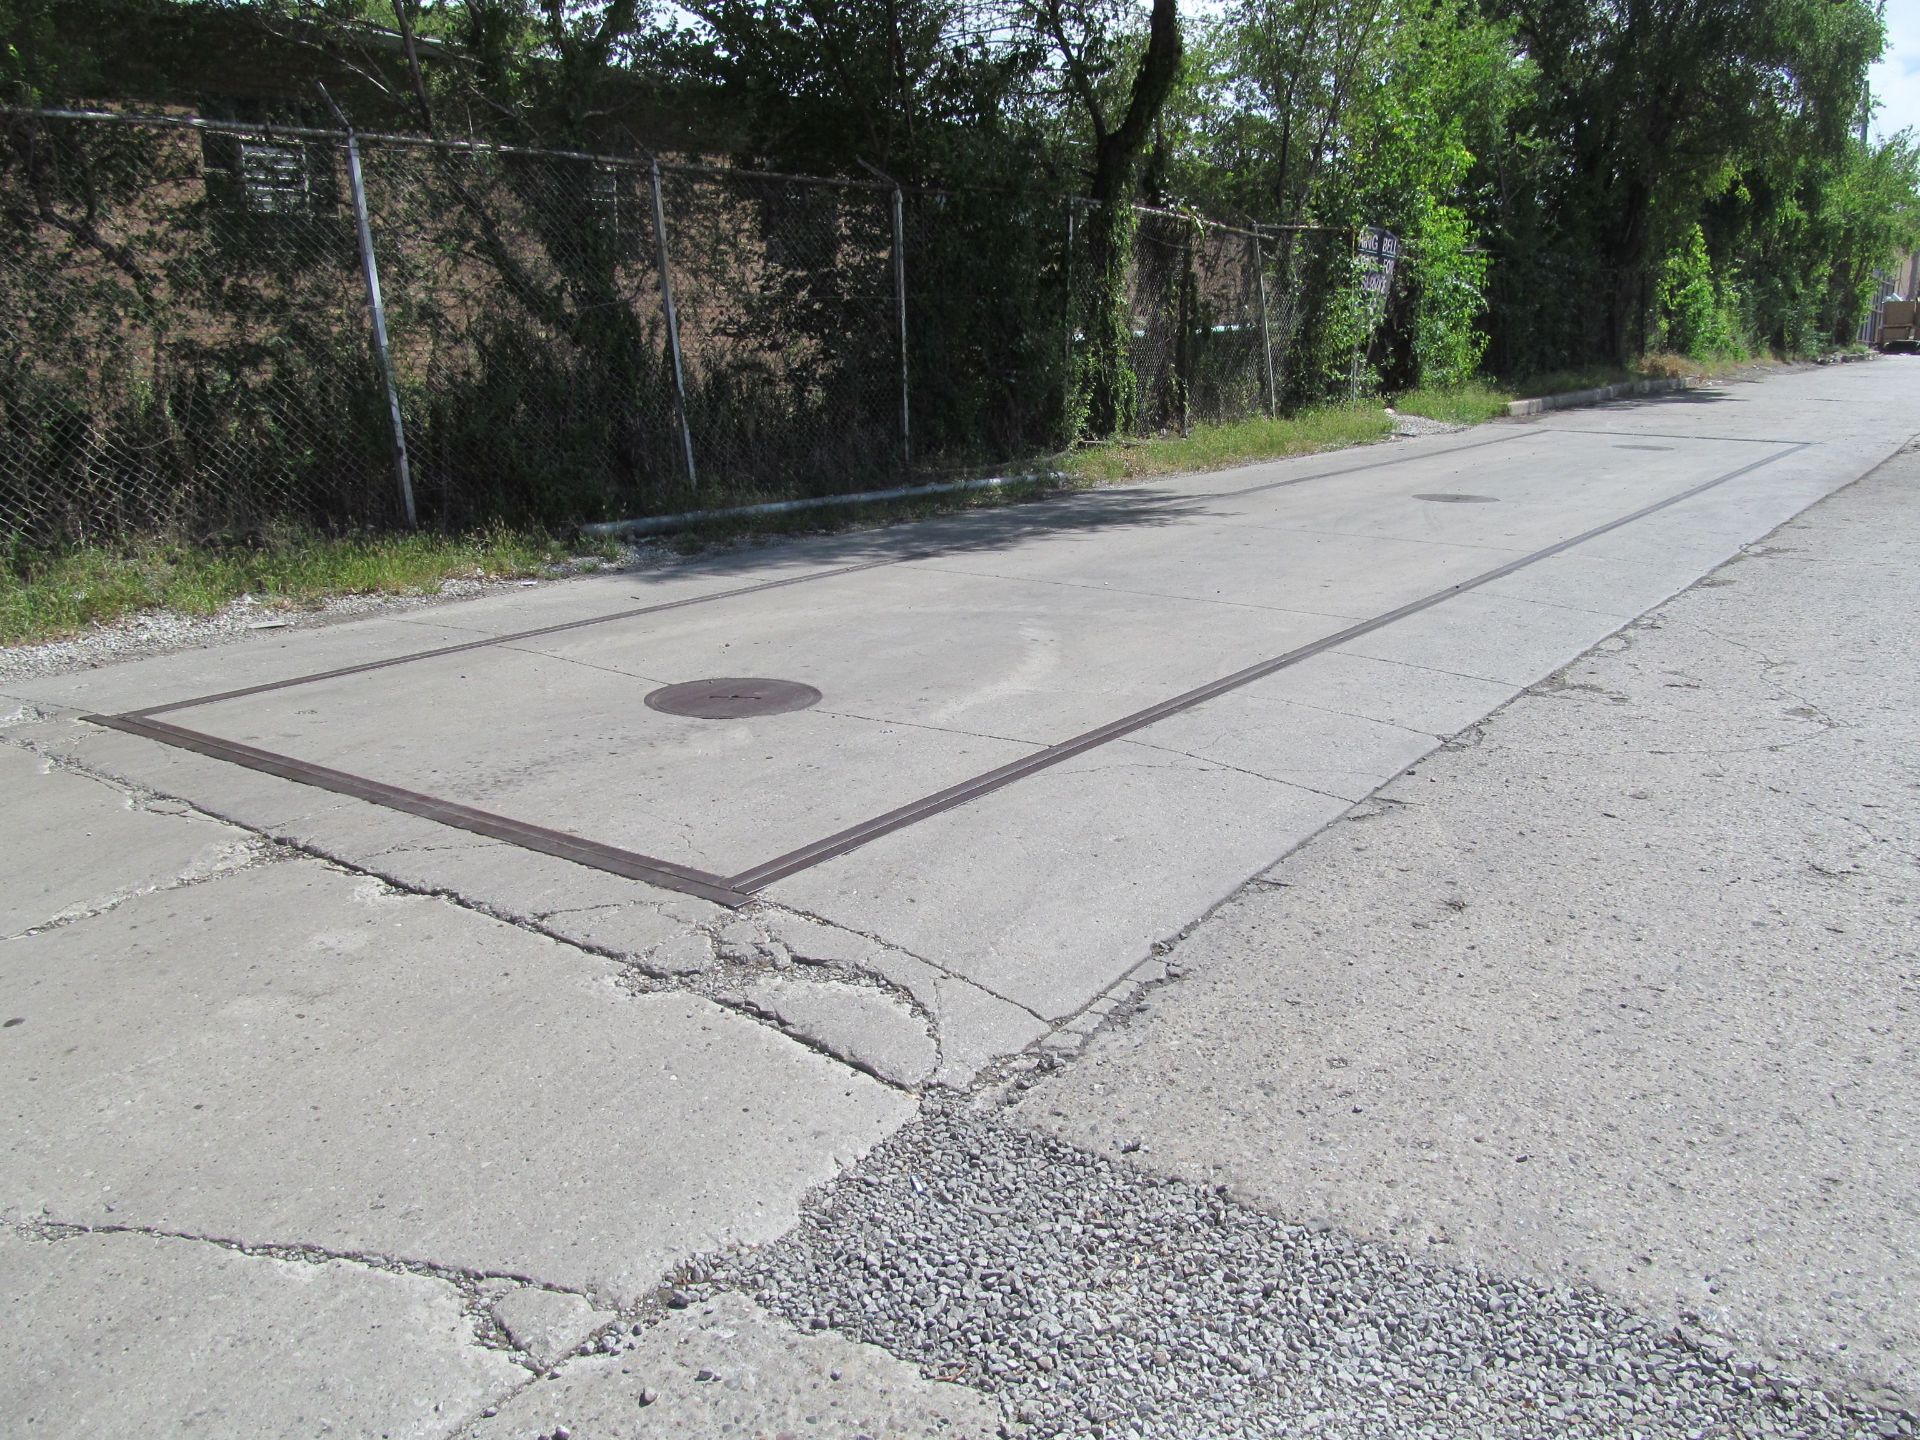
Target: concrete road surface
397, 1008
1621, 987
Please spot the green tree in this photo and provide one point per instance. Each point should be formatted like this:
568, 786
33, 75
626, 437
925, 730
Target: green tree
1648, 104
1871, 214
1119, 88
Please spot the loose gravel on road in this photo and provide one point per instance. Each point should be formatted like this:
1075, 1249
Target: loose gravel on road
1093, 1299
162, 632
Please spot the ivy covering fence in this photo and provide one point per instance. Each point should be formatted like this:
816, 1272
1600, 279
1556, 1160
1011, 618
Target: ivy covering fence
188, 336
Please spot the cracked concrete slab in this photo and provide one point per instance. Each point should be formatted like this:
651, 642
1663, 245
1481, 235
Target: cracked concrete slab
609, 914
859, 1024
1051, 618
213, 787
62, 826
292, 1056
725, 1368
813, 941
972, 1027
981, 888
547, 1325
124, 1334
969, 1027
976, 1028
297, 1056
606, 913
1618, 988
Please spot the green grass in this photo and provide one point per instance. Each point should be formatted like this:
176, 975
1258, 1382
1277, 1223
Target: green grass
1468, 404
1213, 447
1481, 400
47, 594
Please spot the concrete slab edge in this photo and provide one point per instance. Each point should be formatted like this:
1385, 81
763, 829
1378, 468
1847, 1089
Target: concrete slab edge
1599, 395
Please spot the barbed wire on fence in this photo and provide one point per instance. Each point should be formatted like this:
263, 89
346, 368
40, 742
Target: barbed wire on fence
187, 336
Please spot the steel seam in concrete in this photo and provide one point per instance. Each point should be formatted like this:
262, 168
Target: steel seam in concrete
591, 853
1668, 435
481, 644
954, 795
1518, 433
469, 645
735, 890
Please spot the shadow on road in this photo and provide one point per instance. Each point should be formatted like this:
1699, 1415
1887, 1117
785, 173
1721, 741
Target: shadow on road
970, 532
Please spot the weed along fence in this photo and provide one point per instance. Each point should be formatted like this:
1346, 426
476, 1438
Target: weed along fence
213, 328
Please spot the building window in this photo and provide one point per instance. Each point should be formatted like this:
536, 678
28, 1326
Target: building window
275, 179
261, 185
614, 209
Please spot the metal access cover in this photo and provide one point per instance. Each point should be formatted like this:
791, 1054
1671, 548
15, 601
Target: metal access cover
1461, 499
731, 699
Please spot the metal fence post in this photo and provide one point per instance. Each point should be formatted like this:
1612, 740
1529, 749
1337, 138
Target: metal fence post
1361, 339
900, 307
1266, 336
673, 326
1066, 285
371, 271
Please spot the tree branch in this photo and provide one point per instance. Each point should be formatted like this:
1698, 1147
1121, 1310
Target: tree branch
1077, 78
402, 15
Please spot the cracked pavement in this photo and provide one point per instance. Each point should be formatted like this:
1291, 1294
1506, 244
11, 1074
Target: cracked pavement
328, 1118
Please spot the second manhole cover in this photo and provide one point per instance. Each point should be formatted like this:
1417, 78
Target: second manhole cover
730, 699
1461, 499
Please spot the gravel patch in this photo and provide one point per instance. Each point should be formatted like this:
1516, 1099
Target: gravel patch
161, 632
1408, 427
1092, 1299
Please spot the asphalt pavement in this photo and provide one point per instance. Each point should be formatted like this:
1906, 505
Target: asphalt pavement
415, 1030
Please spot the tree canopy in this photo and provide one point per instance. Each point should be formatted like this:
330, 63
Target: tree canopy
1574, 180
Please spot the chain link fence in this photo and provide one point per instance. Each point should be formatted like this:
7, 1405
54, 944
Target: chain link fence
189, 340
524, 316
182, 335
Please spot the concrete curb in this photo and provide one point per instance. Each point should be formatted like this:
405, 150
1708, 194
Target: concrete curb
1598, 395
663, 524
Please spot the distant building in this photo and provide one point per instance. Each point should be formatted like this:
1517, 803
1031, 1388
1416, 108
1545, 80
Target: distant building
1900, 281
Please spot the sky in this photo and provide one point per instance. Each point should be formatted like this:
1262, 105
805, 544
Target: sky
1896, 79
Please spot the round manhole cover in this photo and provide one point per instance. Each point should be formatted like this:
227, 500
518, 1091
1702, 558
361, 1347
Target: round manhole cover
730, 699
1461, 499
